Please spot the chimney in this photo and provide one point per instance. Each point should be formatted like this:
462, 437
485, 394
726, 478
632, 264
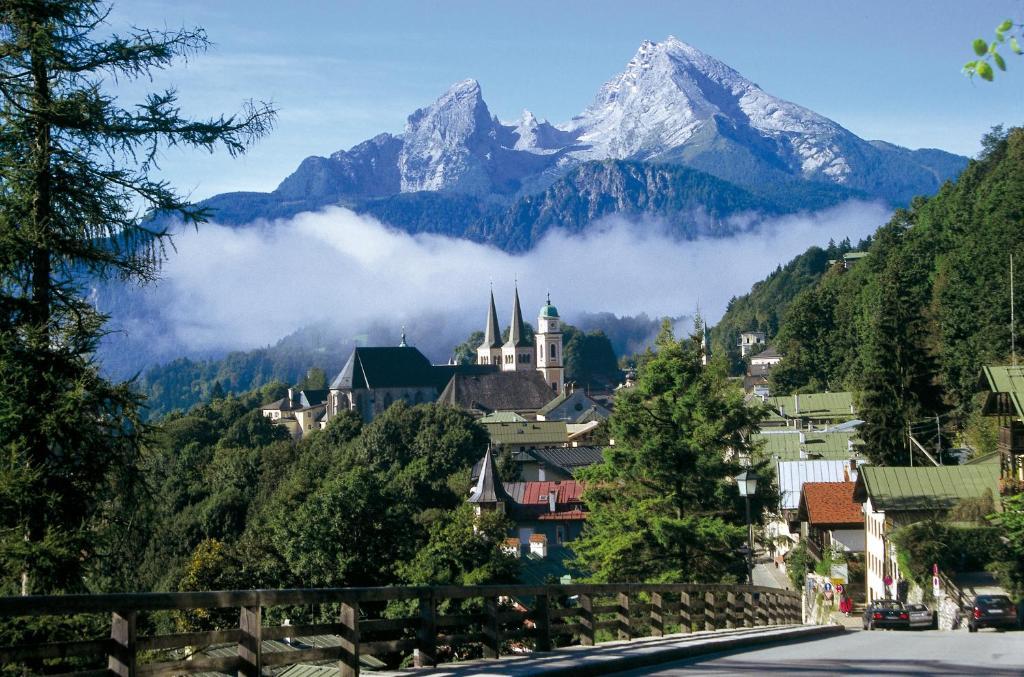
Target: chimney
853, 468
512, 547
539, 545
291, 397
803, 438
796, 404
552, 497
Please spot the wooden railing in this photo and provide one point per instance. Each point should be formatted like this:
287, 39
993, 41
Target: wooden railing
476, 620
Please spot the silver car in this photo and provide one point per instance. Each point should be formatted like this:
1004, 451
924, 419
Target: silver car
920, 616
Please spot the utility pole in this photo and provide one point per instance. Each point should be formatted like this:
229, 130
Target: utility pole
1013, 325
938, 440
910, 447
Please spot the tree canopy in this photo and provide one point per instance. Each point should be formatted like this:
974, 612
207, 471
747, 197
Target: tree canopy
77, 188
662, 504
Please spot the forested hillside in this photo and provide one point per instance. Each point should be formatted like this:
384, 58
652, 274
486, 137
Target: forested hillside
232, 502
911, 325
763, 307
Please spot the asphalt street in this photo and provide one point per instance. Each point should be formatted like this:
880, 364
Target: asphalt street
857, 652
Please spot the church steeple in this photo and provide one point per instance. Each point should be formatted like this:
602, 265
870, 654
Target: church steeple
492, 334
517, 353
517, 334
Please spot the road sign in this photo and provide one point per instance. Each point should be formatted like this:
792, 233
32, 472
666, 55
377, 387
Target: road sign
840, 589
828, 586
887, 580
936, 585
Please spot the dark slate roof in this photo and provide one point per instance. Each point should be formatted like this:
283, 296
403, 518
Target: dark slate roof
311, 398
498, 391
517, 333
568, 458
385, 368
488, 488
492, 334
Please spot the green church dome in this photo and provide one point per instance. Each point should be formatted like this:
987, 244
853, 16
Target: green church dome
549, 310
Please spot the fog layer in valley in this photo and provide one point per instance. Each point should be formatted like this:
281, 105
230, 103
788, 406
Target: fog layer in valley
228, 288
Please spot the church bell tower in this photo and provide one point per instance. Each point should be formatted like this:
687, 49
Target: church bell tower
549, 347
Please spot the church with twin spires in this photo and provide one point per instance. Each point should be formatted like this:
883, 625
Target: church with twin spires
519, 354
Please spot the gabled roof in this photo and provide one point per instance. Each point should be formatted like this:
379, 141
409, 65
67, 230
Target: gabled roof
572, 406
836, 406
528, 433
794, 446
793, 474
502, 417
517, 333
488, 488
925, 488
830, 504
568, 458
1005, 386
498, 391
311, 398
492, 334
769, 353
385, 368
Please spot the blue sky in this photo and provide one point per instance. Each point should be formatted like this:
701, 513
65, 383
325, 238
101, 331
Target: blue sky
340, 72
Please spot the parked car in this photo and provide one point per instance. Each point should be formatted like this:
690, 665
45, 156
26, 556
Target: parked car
992, 611
921, 616
886, 613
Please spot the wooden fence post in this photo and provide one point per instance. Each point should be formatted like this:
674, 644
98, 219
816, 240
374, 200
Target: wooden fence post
349, 666
730, 609
748, 609
250, 643
542, 623
426, 633
492, 628
622, 616
657, 615
685, 618
710, 612
587, 620
121, 659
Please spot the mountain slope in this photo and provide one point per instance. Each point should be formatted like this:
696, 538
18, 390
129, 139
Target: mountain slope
672, 105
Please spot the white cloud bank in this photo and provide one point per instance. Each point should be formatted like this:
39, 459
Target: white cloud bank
237, 288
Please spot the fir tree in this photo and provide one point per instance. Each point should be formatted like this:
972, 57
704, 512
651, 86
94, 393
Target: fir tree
662, 506
76, 193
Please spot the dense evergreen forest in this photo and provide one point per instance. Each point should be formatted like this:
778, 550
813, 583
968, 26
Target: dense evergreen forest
910, 326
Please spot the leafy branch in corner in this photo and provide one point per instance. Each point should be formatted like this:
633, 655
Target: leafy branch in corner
1007, 33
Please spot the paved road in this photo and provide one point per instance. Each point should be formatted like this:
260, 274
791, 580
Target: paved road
869, 653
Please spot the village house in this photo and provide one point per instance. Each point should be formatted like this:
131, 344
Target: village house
1004, 388
790, 478
299, 411
897, 496
545, 516
573, 406
750, 341
830, 518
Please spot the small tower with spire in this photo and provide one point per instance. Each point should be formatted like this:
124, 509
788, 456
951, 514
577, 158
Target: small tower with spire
517, 353
488, 494
549, 347
489, 351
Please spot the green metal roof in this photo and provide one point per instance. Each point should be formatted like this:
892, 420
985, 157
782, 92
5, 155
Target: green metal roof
787, 446
502, 417
991, 457
1005, 386
926, 488
549, 311
832, 406
529, 433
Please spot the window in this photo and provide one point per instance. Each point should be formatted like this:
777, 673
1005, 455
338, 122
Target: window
559, 534
551, 351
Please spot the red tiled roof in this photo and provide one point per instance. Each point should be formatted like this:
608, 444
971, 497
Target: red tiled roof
569, 491
830, 503
538, 538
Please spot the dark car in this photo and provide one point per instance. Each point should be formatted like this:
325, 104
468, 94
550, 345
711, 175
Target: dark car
886, 613
992, 611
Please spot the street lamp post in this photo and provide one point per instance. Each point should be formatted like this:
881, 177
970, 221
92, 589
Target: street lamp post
746, 481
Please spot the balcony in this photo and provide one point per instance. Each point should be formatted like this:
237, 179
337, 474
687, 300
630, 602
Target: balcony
1011, 439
